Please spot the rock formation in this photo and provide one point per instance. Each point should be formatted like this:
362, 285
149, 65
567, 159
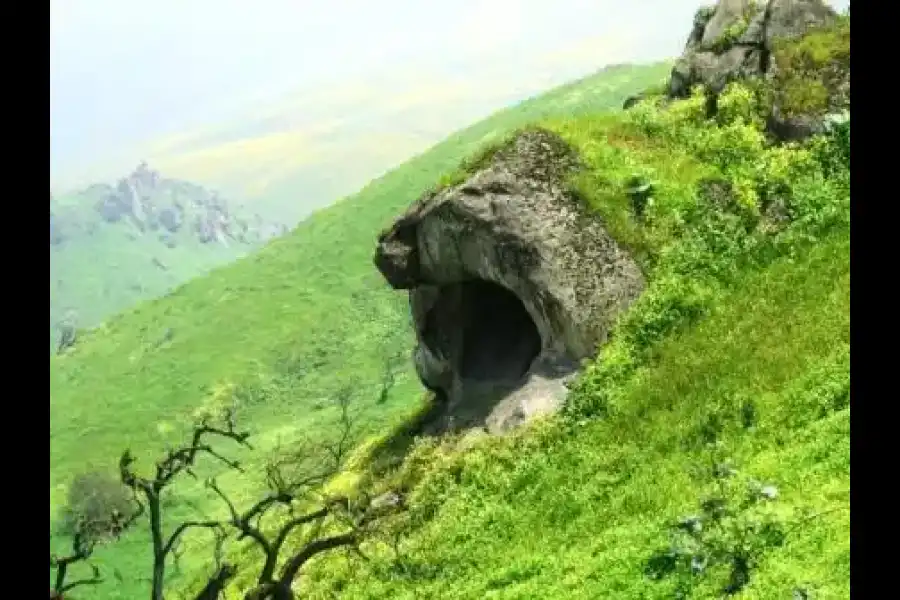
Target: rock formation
171, 209
511, 282
736, 39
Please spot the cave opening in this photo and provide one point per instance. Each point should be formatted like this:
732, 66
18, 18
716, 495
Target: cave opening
499, 338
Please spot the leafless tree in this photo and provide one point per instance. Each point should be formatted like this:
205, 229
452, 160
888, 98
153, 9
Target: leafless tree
177, 461
292, 484
84, 540
346, 522
82, 548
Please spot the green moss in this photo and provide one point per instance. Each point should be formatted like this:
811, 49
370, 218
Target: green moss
484, 154
812, 72
474, 162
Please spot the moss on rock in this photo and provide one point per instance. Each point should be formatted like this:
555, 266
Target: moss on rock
811, 75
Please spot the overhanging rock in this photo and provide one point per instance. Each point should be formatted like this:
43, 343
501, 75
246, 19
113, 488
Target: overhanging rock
511, 283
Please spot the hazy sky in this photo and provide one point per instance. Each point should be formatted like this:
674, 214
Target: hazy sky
126, 70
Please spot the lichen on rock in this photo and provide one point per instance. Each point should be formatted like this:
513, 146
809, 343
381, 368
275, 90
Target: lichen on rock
511, 283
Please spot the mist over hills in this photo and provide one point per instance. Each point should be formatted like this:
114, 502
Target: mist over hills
112, 245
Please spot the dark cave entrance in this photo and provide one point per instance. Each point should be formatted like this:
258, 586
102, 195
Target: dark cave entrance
500, 339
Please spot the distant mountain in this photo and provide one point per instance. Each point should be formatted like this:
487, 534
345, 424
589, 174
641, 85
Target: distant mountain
114, 245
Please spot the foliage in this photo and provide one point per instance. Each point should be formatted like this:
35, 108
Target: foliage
735, 30
812, 72
97, 503
718, 235
729, 537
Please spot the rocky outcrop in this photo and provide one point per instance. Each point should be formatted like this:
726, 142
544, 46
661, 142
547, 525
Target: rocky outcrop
736, 40
171, 209
511, 282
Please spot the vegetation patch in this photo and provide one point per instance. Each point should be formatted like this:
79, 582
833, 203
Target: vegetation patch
812, 73
705, 451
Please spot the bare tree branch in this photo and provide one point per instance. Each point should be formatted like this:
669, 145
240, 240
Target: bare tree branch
216, 584
290, 570
170, 544
93, 580
290, 492
82, 548
224, 572
177, 461
285, 491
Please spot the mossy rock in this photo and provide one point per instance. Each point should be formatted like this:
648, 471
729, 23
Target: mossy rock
810, 76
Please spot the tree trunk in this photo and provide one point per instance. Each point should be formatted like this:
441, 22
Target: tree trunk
159, 558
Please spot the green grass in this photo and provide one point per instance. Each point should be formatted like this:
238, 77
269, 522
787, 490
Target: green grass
737, 354
280, 331
559, 513
98, 276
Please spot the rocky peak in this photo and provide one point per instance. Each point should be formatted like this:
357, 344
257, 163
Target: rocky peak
168, 208
736, 39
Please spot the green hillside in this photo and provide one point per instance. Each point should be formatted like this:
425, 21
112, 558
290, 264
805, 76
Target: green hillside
707, 451
114, 245
280, 331
704, 453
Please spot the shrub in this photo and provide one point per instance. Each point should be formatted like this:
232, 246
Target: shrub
735, 528
96, 504
812, 72
727, 226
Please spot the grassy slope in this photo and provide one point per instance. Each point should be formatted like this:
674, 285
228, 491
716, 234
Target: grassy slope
737, 355
281, 330
124, 274
578, 515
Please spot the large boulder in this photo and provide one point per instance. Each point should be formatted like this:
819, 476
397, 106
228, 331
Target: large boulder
511, 282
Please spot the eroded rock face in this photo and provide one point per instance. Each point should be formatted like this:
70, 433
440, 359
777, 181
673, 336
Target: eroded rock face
733, 40
511, 283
